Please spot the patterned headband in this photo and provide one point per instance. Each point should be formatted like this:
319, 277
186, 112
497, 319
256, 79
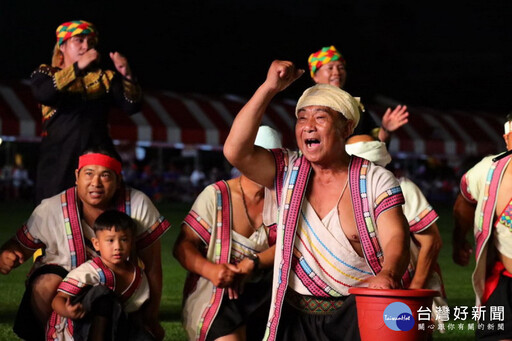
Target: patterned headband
73, 28
322, 57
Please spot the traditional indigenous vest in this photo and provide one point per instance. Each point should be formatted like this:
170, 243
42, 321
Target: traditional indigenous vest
201, 298
79, 248
59, 327
292, 176
71, 215
480, 185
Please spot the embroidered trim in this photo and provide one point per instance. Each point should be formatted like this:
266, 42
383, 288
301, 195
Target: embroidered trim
331, 253
314, 305
423, 220
485, 221
506, 217
390, 198
71, 286
199, 225
222, 254
154, 232
292, 205
64, 77
73, 227
26, 239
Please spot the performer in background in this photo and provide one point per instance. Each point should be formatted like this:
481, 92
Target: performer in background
227, 245
75, 96
485, 205
62, 227
327, 66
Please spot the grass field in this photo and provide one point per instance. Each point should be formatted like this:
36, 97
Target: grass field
12, 215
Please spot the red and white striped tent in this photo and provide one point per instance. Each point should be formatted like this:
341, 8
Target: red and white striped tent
170, 119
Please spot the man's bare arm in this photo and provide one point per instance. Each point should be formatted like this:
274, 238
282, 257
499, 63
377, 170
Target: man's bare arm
464, 215
394, 238
430, 245
255, 162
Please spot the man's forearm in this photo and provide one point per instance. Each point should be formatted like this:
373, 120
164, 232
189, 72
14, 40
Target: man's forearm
153, 268
397, 256
240, 141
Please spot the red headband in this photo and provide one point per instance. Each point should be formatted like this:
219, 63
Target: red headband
100, 160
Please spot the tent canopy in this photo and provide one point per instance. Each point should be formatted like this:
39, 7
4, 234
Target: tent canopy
177, 120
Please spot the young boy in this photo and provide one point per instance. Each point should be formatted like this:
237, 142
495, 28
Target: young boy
101, 295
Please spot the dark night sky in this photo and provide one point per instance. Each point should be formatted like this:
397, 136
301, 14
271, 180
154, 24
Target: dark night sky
451, 55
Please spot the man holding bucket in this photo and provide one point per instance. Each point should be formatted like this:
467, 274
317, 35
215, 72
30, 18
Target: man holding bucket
485, 204
340, 219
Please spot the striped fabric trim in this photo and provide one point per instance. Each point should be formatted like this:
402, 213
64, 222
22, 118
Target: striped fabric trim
317, 240
71, 286
155, 232
107, 276
426, 218
505, 217
292, 205
311, 281
221, 254
358, 187
391, 198
26, 239
73, 227
320, 266
199, 225
486, 215
55, 320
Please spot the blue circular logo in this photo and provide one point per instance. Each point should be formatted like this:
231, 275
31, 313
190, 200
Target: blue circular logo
398, 316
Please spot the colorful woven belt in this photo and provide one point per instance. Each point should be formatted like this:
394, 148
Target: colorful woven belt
312, 304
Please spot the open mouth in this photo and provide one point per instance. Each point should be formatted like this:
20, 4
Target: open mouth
312, 142
95, 194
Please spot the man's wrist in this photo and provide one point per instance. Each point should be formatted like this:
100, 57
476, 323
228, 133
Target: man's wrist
385, 130
256, 260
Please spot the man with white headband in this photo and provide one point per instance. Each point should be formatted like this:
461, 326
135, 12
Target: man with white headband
425, 237
485, 204
340, 221
62, 227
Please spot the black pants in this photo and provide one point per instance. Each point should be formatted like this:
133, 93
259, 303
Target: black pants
296, 325
500, 297
250, 309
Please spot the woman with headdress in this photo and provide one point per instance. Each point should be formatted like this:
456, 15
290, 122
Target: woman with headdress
327, 66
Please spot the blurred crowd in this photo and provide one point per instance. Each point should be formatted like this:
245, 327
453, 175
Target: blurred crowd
182, 182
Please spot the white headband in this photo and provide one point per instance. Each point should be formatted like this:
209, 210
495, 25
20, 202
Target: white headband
332, 97
374, 151
508, 127
268, 138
